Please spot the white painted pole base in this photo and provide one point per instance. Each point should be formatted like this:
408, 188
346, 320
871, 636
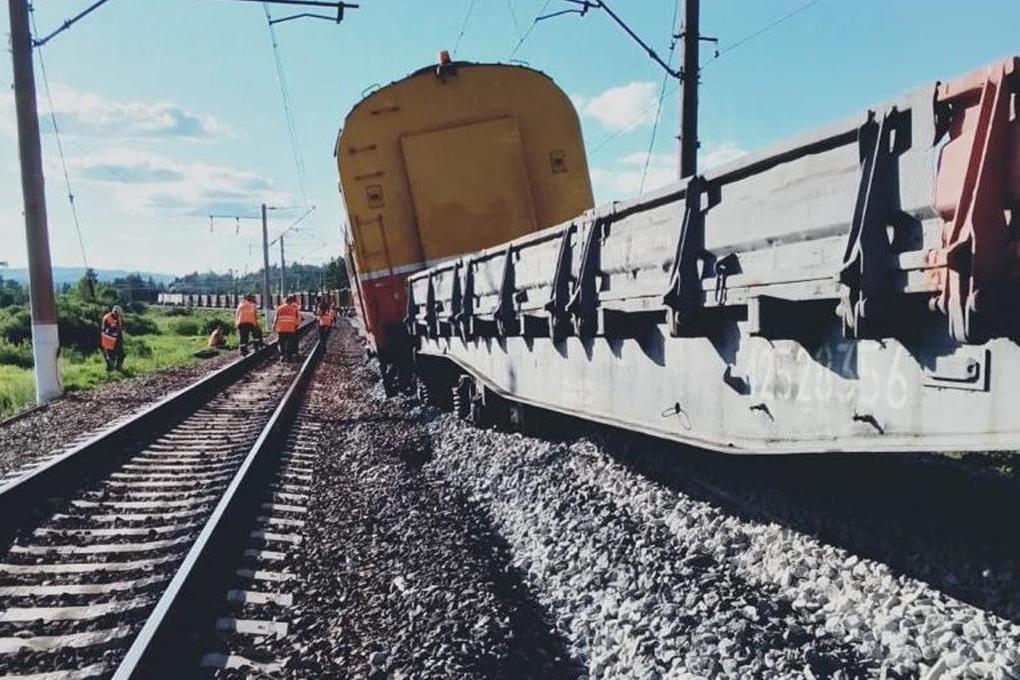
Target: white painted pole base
45, 345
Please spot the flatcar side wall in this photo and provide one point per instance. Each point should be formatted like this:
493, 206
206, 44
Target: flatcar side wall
727, 312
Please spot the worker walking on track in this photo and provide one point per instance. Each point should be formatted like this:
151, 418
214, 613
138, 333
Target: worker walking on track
111, 338
288, 318
325, 316
247, 321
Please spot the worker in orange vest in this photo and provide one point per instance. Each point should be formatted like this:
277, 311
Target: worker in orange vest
247, 321
111, 338
325, 317
288, 318
217, 340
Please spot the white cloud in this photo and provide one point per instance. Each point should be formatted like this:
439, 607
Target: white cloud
622, 179
720, 155
89, 114
152, 184
619, 108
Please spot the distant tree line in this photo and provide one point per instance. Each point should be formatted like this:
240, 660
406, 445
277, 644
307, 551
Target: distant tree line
311, 277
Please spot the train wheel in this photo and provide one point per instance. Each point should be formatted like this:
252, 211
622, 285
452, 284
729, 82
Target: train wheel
516, 416
477, 414
390, 379
461, 398
421, 390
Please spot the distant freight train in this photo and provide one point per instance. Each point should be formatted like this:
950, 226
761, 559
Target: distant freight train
307, 300
451, 159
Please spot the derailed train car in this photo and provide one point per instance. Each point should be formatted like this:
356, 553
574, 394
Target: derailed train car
449, 160
855, 288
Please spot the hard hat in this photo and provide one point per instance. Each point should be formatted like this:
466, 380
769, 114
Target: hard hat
118, 310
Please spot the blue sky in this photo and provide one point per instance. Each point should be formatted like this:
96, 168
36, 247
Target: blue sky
171, 108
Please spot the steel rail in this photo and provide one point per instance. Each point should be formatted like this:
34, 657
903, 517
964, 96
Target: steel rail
168, 643
25, 497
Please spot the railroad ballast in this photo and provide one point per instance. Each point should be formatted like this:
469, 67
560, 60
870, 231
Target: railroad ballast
850, 289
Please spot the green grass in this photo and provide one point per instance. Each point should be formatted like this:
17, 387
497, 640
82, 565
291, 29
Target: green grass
145, 354
17, 388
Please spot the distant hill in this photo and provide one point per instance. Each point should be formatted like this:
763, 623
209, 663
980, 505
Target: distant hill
62, 275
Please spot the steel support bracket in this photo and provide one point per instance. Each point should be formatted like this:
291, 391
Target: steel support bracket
507, 321
467, 308
562, 281
456, 300
866, 284
431, 310
978, 183
684, 296
584, 299
411, 317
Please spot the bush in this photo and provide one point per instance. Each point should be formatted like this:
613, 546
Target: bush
140, 325
19, 354
79, 322
185, 327
16, 324
136, 347
137, 307
178, 311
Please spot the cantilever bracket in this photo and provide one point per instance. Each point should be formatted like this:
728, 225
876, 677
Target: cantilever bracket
684, 296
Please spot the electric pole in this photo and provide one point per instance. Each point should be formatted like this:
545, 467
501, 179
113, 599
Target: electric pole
689, 91
45, 340
283, 271
267, 304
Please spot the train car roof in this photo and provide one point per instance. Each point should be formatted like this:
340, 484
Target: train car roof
431, 68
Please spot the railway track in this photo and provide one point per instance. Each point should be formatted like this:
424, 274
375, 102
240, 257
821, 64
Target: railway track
107, 548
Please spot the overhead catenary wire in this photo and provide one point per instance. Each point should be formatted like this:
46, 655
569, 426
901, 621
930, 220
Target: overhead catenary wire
662, 97
60, 145
464, 25
513, 17
722, 52
288, 108
764, 29
531, 28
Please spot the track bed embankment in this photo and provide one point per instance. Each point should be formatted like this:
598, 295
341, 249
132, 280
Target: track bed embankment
76, 415
399, 574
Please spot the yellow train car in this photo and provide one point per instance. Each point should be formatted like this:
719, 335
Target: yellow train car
449, 160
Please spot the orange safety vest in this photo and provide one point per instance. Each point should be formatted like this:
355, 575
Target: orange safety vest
110, 331
326, 320
287, 318
247, 312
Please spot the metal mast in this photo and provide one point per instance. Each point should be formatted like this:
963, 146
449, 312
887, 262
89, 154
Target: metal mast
689, 91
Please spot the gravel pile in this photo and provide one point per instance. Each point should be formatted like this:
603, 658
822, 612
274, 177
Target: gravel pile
400, 577
648, 581
78, 414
